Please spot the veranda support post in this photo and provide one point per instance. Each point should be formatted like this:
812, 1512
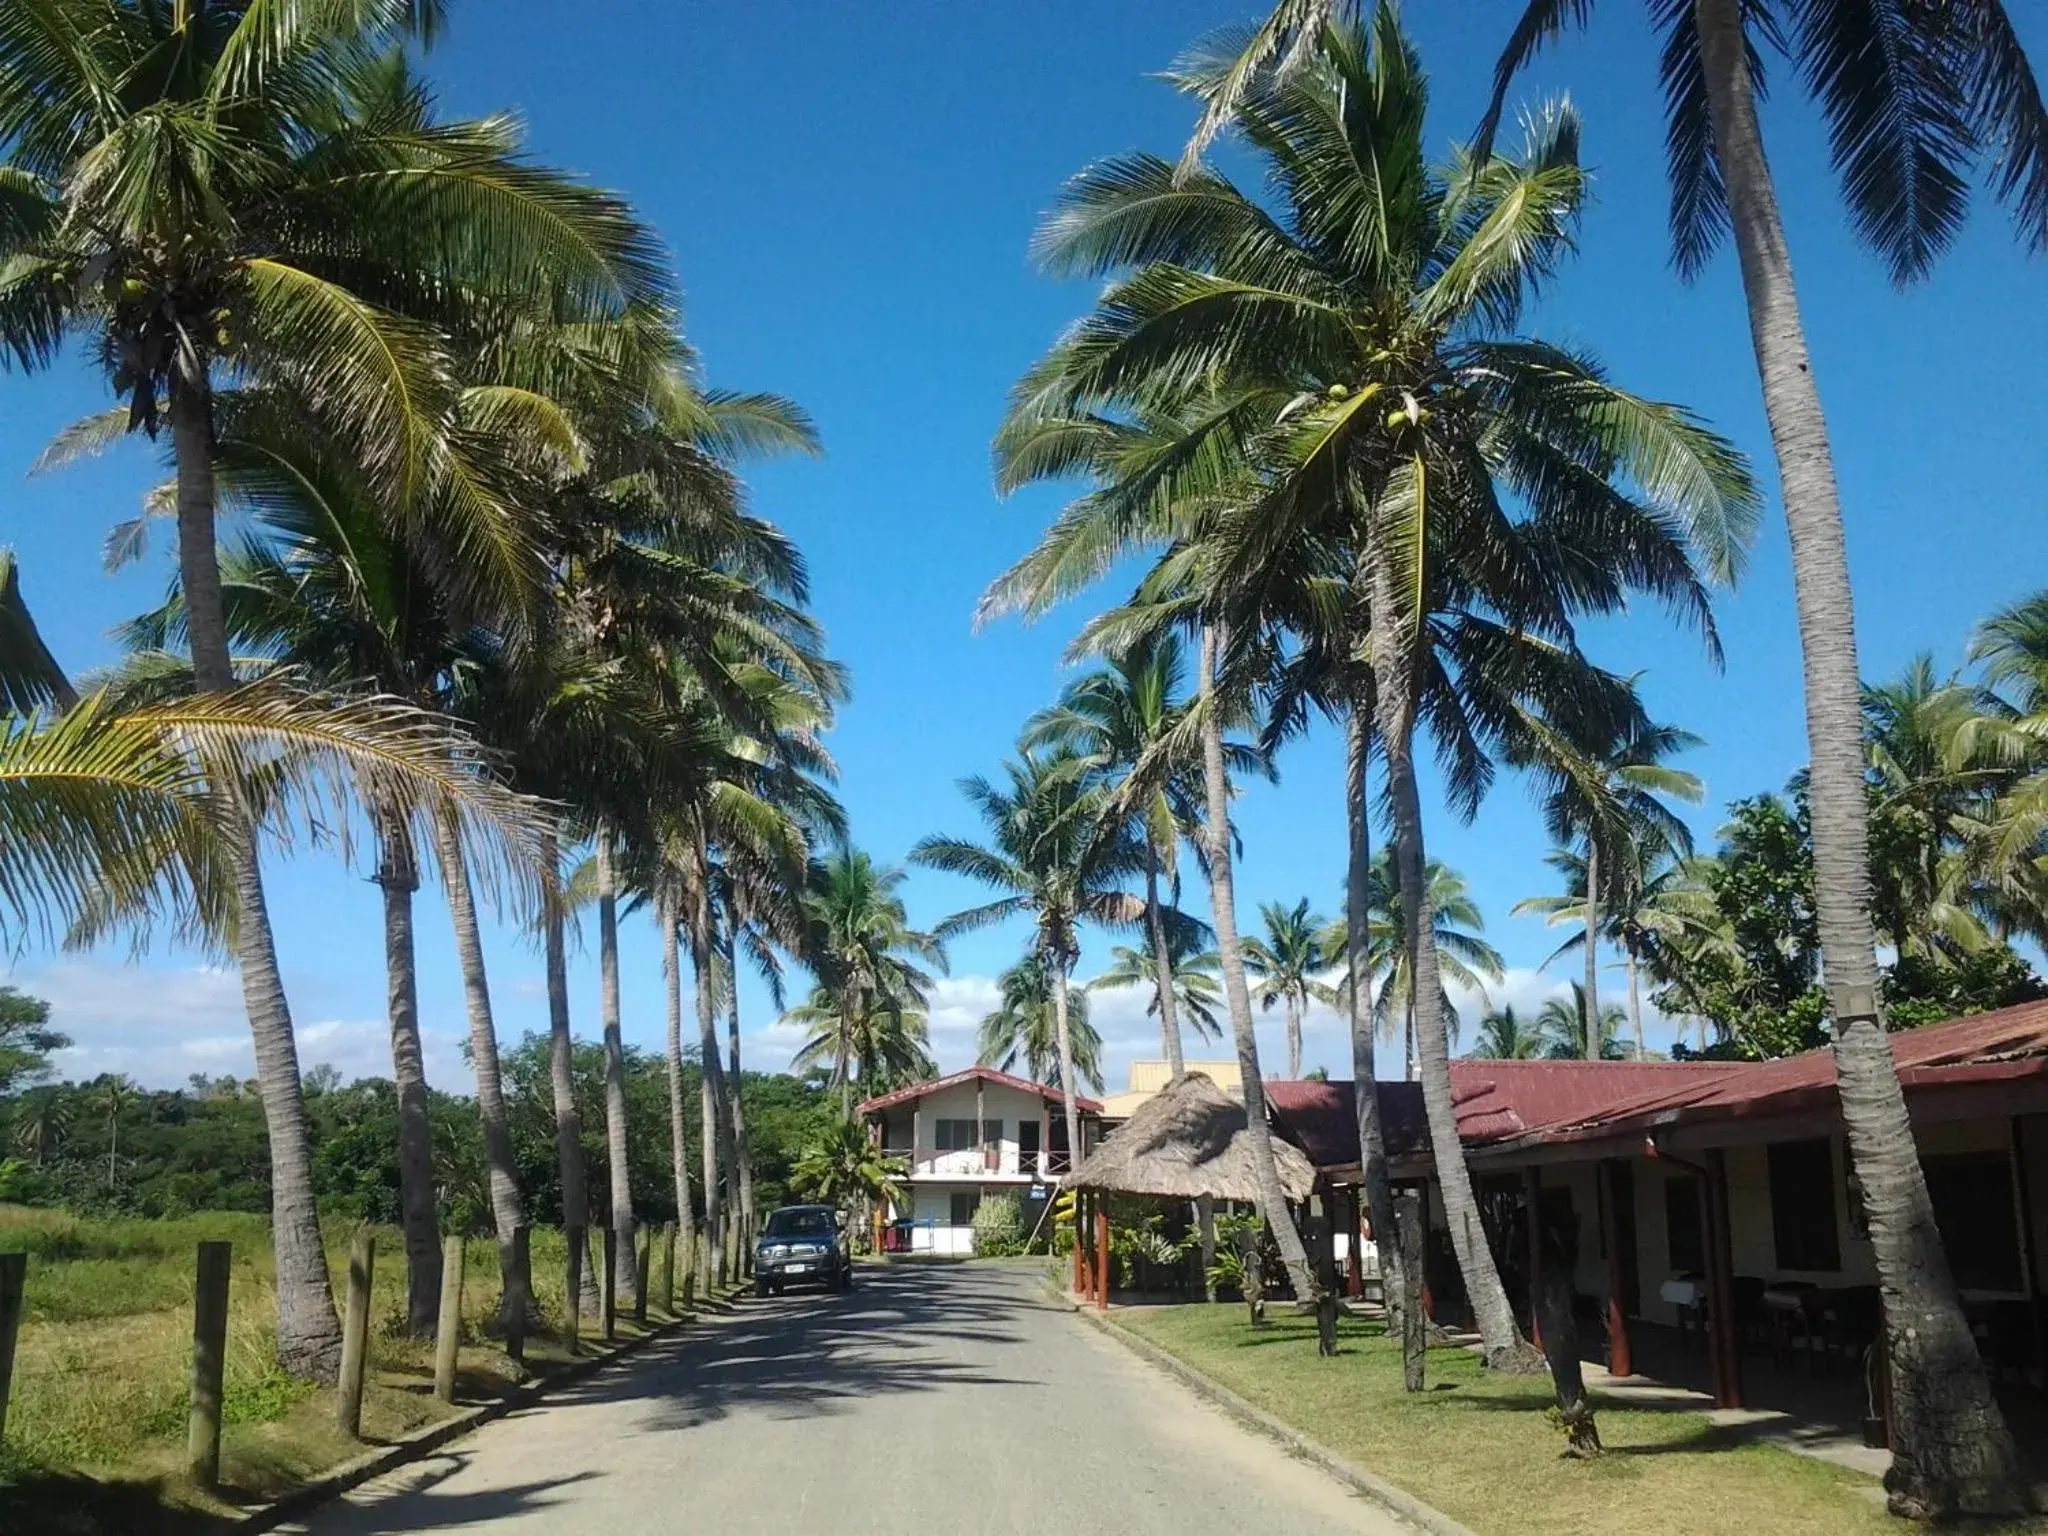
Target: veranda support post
1102, 1255
209, 1360
1532, 1195
1354, 1247
1721, 1332
1620, 1356
13, 1285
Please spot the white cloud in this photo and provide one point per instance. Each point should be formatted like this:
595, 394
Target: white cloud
159, 1025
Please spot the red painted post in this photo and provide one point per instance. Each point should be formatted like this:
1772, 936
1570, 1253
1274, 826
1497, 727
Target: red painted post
1620, 1356
1101, 1256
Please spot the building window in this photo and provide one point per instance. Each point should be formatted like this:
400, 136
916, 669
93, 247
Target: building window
957, 1135
1803, 1205
1973, 1207
1682, 1245
965, 1201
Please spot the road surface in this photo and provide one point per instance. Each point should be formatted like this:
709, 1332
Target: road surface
955, 1398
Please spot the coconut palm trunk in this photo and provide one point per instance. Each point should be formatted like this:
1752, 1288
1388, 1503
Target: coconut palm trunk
1951, 1449
308, 1334
1063, 1037
1394, 687
506, 1212
742, 1158
398, 875
618, 1142
712, 1095
562, 1080
1594, 1042
1230, 954
678, 1136
1635, 1004
1372, 1145
1162, 961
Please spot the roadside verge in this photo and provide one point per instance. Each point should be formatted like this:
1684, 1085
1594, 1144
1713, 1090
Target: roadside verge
1396, 1501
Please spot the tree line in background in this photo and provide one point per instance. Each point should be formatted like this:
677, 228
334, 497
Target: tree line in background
109, 1146
1367, 492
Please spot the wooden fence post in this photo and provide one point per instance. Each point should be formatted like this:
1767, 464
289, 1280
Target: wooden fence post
521, 1300
690, 1272
355, 1332
13, 1282
209, 1359
643, 1272
573, 1307
608, 1296
668, 1268
448, 1329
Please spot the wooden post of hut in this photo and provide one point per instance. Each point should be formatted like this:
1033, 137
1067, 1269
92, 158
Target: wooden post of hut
1101, 1254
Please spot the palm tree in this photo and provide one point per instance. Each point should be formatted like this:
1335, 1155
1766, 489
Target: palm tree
1464, 957
1660, 915
1568, 1033
41, 1118
1022, 1026
1056, 860
1128, 719
1287, 962
228, 213
113, 1096
1917, 98
2012, 645
1504, 1036
842, 1167
1398, 407
1197, 988
1608, 796
872, 997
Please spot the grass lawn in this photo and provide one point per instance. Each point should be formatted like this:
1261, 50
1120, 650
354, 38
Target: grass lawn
1480, 1448
96, 1424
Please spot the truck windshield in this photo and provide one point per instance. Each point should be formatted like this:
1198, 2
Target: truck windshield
800, 1224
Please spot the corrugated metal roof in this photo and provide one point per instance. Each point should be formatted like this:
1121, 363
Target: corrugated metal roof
882, 1101
1565, 1101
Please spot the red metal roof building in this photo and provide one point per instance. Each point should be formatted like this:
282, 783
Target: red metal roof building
1681, 1180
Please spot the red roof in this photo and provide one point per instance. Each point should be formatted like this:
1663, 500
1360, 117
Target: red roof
1495, 1101
2005, 1043
905, 1095
1568, 1101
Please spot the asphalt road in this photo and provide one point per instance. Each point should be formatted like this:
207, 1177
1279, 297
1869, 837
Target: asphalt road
959, 1399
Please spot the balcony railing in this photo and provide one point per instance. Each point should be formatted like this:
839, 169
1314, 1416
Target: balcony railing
1000, 1161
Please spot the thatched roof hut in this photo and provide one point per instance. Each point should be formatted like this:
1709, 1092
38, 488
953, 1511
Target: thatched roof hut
1189, 1139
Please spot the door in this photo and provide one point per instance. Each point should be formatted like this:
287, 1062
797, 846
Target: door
1027, 1147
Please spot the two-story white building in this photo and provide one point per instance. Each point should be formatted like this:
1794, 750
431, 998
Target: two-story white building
965, 1136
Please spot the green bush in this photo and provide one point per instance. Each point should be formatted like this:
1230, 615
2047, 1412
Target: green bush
998, 1227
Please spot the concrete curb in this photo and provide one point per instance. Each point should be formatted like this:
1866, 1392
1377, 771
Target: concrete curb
1396, 1501
388, 1458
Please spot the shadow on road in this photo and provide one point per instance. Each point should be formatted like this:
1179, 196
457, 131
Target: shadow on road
809, 1354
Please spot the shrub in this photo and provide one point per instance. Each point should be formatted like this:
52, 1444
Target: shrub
998, 1227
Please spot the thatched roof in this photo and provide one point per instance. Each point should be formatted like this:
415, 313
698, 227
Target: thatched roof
1188, 1140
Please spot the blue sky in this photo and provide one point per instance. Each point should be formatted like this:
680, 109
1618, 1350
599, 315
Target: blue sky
848, 191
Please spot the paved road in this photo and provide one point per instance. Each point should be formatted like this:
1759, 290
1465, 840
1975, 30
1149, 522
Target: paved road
957, 1398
